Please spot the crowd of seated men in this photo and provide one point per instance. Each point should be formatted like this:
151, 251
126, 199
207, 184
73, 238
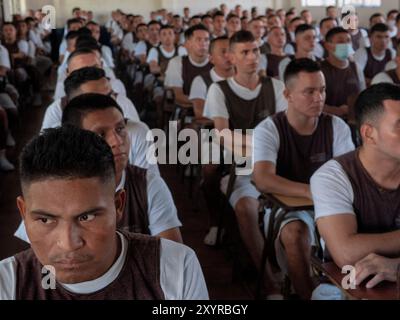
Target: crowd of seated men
315, 105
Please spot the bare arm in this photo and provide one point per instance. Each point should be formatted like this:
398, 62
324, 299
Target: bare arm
181, 99
154, 67
173, 234
198, 107
346, 246
268, 181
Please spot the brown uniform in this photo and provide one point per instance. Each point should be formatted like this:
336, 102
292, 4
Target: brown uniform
373, 66
189, 72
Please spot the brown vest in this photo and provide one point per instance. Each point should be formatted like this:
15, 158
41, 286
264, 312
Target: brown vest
340, 83
135, 218
163, 60
265, 48
189, 72
355, 40
139, 278
247, 114
373, 66
300, 156
206, 76
376, 208
273, 64
393, 75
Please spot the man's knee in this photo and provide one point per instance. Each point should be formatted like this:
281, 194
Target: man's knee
294, 234
246, 209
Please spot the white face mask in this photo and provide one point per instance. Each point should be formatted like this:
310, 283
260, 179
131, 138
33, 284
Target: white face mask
391, 23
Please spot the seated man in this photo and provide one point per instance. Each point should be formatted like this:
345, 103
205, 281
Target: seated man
106, 52
288, 148
86, 80
392, 75
344, 79
71, 211
357, 195
150, 208
5, 165
374, 59
236, 106
276, 40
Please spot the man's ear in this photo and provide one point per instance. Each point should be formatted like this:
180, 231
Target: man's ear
367, 134
120, 202
286, 94
21, 207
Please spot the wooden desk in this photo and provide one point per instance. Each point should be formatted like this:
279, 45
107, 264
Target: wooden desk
290, 203
383, 291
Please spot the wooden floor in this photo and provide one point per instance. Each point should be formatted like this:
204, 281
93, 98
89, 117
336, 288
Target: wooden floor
217, 267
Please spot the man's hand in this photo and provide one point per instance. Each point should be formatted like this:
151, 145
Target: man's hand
380, 267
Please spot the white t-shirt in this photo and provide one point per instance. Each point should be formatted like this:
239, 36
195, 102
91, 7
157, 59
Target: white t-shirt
215, 105
153, 54
4, 57
361, 57
53, 115
181, 277
141, 48
63, 47
173, 75
127, 42
107, 56
267, 143
391, 65
23, 47
332, 191
198, 89
381, 77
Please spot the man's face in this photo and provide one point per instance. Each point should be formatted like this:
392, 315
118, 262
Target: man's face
71, 44
220, 55
219, 24
257, 29
111, 126
71, 225
10, 33
332, 12
306, 93
208, 22
177, 23
199, 43
195, 22
233, 25
273, 21
386, 132
154, 31
77, 14
186, 12
339, 38
167, 37
380, 40
306, 40
307, 17
245, 57
95, 29
328, 25
277, 38
75, 26
142, 33
23, 28
84, 60
376, 20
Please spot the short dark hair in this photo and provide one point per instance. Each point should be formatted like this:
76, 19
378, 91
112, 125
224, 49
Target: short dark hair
379, 27
141, 25
72, 35
218, 14
303, 28
205, 16
189, 32
83, 104
231, 16
81, 76
295, 19
166, 26
154, 22
334, 31
369, 103
214, 41
377, 14
92, 23
300, 65
391, 12
78, 52
241, 36
66, 153
321, 23
72, 21
76, 9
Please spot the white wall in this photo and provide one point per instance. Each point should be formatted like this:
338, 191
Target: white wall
103, 8
363, 13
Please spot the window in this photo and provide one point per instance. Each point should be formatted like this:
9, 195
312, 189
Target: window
341, 3
318, 3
